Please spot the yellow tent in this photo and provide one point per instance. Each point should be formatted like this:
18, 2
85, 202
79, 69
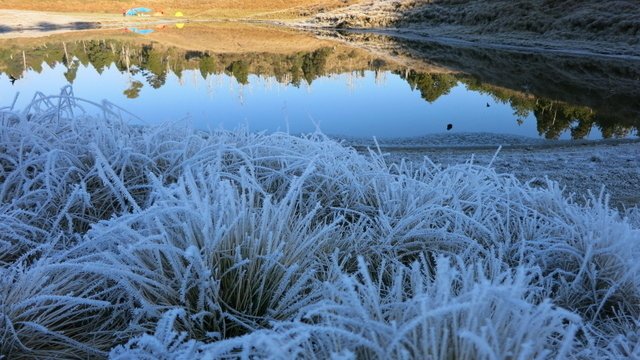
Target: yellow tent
179, 25
179, 14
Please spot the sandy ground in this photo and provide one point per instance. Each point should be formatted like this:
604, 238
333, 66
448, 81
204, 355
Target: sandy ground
579, 166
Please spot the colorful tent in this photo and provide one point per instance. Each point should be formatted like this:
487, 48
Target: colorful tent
137, 11
140, 31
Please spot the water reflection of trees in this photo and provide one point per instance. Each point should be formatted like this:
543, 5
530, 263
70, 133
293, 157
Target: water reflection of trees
431, 85
155, 63
555, 117
134, 90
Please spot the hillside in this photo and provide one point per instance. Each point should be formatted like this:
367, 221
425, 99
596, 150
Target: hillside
613, 24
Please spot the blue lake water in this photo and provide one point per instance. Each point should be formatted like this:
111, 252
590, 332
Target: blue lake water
381, 99
357, 105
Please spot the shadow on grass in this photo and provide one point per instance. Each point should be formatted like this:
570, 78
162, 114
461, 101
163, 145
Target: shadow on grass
78, 25
44, 26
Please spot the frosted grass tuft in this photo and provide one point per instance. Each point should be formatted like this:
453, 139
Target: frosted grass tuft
137, 242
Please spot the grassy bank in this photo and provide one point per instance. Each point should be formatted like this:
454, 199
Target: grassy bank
129, 242
590, 20
583, 19
611, 24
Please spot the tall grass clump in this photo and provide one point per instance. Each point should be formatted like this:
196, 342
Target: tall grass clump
163, 242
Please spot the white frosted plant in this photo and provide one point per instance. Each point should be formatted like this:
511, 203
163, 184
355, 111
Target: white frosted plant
230, 257
401, 313
164, 242
54, 310
63, 170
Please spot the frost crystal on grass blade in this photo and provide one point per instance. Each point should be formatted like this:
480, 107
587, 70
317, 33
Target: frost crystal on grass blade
164, 242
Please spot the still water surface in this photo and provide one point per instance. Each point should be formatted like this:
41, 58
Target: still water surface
403, 89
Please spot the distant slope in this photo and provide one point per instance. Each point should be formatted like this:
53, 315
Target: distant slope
612, 20
576, 27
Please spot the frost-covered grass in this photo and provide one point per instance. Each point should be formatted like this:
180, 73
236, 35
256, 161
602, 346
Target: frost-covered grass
167, 243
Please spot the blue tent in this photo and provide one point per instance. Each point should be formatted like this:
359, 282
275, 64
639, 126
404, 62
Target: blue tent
138, 10
140, 31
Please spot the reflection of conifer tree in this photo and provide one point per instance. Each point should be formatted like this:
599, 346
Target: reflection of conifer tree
610, 128
134, 90
65, 61
35, 63
614, 131
100, 55
121, 64
178, 69
207, 65
11, 63
522, 106
72, 71
240, 70
178, 65
296, 71
154, 62
581, 130
554, 118
280, 71
313, 64
52, 58
431, 86
81, 54
551, 122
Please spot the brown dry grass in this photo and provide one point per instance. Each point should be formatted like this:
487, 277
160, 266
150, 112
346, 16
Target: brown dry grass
194, 8
232, 38
220, 37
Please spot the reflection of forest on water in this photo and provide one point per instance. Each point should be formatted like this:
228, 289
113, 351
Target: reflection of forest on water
562, 94
155, 62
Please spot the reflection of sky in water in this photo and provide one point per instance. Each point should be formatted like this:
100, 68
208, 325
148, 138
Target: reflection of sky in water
346, 104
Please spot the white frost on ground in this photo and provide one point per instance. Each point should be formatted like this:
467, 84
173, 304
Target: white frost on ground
165, 243
580, 166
